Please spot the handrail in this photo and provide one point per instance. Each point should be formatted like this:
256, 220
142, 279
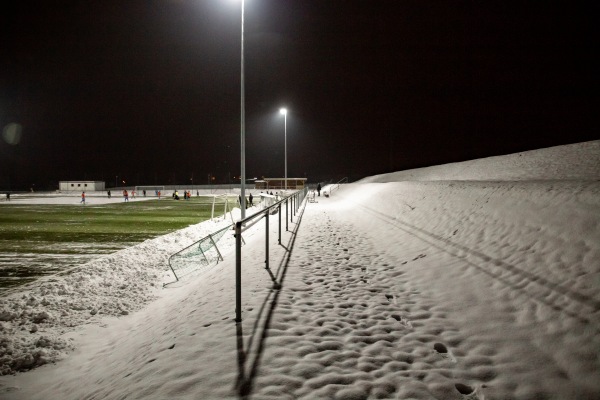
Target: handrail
295, 199
337, 185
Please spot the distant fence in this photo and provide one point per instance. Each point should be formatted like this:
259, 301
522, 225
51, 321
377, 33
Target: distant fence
184, 187
198, 256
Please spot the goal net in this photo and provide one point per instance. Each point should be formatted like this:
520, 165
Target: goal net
150, 191
220, 205
199, 256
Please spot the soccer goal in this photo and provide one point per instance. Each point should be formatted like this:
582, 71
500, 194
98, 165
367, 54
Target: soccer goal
151, 191
220, 202
199, 256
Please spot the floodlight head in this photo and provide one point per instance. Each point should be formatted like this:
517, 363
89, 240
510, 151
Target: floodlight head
283, 111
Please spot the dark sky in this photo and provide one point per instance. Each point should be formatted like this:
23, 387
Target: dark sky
150, 90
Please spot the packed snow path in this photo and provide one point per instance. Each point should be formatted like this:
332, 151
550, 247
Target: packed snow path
355, 321
442, 301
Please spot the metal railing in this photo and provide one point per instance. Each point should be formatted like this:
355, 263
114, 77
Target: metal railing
292, 205
336, 185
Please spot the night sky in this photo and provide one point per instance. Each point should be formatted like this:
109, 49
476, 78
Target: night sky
149, 91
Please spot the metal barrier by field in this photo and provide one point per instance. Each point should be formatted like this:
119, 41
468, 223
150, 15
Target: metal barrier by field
292, 205
204, 253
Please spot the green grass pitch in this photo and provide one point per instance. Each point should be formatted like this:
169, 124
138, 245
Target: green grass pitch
38, 240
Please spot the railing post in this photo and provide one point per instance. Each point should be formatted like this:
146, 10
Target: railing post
267, 241
279, 212
286, 214
238, 271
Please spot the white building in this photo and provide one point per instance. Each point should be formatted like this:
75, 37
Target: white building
80, 186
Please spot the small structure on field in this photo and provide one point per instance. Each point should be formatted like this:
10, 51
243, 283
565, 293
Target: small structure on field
92, 186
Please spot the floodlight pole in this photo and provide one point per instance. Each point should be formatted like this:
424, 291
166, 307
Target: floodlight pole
238, 225
284, 112
243, 132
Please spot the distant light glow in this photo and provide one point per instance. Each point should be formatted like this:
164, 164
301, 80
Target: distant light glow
283, 111
12, 133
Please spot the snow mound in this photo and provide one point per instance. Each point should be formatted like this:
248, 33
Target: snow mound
579, 161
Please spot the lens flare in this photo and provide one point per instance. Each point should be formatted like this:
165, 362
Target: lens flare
12, 133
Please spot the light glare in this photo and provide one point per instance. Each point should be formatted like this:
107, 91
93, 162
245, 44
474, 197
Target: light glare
12, 133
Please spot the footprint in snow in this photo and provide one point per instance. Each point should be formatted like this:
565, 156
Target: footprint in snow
443, 351
402, 320
469, 393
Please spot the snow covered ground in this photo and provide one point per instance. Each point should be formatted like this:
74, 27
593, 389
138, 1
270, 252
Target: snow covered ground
473, 280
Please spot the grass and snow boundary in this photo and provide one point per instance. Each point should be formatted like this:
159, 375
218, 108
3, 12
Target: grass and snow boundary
34, 322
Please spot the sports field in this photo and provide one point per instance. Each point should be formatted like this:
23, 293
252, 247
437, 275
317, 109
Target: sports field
42, 239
